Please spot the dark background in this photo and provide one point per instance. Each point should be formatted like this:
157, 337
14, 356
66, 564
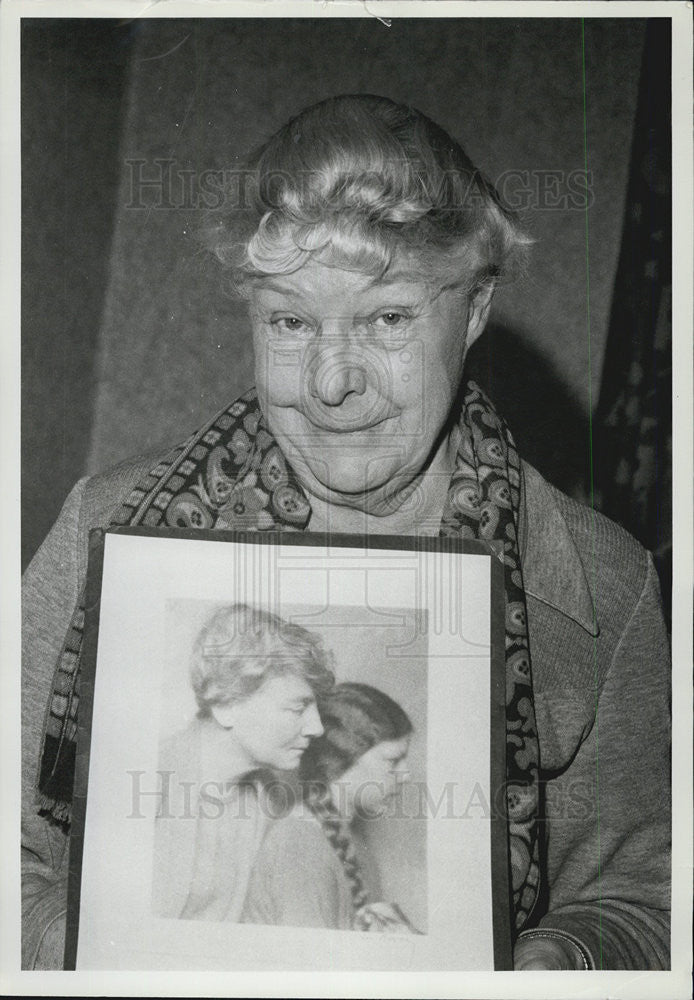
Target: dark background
128, 337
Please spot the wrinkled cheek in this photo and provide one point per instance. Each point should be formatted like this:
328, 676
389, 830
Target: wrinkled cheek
444, 374
279, 373
406, 381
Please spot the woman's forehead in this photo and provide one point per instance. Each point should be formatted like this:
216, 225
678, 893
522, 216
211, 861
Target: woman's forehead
320, 282
287, 686
390, 749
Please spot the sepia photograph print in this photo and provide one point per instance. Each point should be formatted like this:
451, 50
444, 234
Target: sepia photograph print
351, 413
284, 722
259, 783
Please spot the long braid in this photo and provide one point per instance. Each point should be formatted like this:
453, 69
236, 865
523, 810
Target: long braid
355, 718
336, 830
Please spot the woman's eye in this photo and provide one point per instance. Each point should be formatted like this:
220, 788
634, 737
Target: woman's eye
391, 325
290, 325
390, 319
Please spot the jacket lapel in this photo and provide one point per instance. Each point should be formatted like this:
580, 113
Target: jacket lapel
553, 571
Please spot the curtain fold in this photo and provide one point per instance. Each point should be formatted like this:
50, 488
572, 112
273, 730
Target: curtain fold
632, 432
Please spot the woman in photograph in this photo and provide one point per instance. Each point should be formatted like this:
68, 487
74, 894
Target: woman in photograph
313, 869
368, 252
256, 679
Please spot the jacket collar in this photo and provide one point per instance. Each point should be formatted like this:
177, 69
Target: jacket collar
552, 568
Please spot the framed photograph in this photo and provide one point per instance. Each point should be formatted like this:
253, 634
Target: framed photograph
272, 770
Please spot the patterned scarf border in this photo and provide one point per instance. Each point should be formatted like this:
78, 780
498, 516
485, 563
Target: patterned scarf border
483, 502
231, 474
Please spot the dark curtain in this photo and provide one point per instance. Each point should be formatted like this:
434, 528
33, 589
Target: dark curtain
633, 423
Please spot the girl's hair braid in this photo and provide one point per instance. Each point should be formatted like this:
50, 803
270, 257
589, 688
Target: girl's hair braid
336, 830
355, 718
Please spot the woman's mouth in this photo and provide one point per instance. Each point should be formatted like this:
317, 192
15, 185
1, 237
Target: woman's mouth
339, 422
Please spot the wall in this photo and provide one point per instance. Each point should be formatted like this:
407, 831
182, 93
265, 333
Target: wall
72, 85
170, 347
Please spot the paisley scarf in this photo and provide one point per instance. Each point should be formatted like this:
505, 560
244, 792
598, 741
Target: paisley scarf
231, 474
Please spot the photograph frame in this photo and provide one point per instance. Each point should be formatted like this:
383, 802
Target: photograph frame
335, 545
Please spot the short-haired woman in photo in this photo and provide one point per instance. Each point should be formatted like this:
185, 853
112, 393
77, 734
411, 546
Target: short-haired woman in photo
256, 679
368, 255
310, 869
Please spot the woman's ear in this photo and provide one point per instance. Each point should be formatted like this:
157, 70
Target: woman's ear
224, 715
479, 304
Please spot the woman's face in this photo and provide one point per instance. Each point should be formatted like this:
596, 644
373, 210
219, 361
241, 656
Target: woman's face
374, 780
356, 377
274, 725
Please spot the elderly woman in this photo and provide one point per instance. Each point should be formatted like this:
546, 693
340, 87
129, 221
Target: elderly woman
368, 257
256, 679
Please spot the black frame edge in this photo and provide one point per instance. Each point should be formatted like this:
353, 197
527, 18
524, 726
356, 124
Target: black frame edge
95, 568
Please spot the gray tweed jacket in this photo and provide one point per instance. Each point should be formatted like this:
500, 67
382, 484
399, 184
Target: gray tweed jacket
601, 675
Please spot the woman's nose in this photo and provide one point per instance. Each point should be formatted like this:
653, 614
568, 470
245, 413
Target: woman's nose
312, 726
337, 375
402, 774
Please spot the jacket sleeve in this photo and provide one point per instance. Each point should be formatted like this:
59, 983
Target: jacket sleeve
609, 844
50, 590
